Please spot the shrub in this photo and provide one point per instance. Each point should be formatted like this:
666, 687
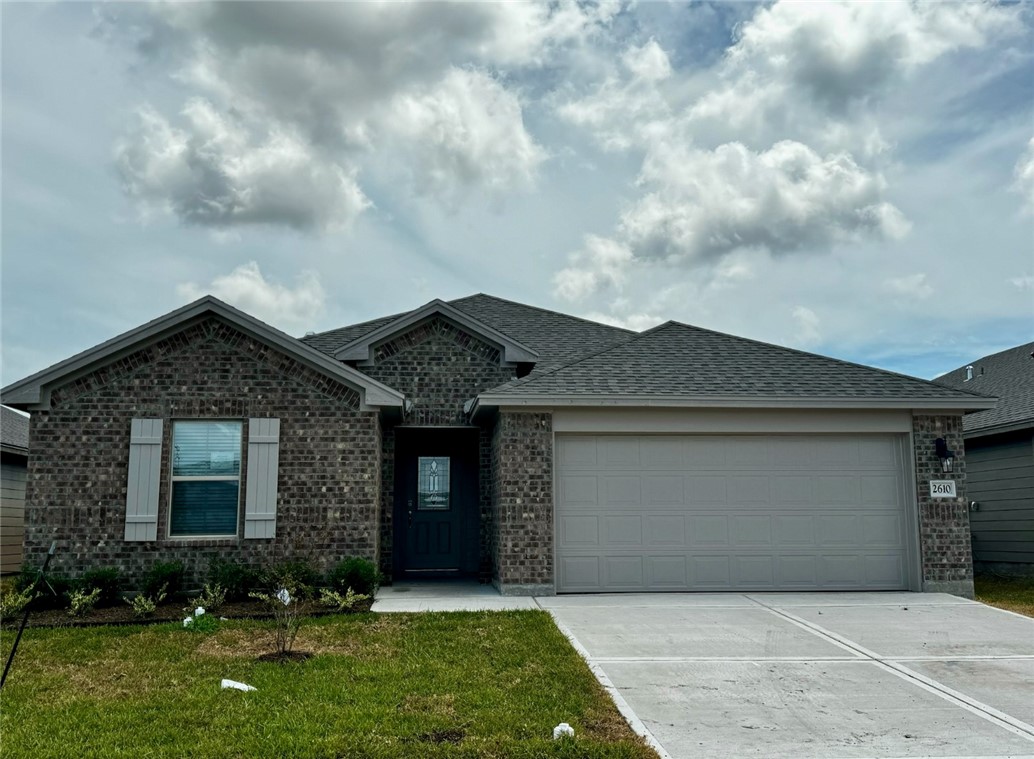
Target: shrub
144, 606
238, 579
288, 606
339, 601
50, 589
82, 602
211, 598
356, 573
298, 575
14, 601
108, 580
164, 574
199, 621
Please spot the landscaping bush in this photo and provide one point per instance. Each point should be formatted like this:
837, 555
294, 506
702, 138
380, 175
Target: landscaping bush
81, 602
298, 575
50, 590
14, 601
356, 573
107, 580
237, 579
144, 606
165, 575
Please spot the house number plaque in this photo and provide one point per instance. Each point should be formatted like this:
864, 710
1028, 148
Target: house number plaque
942, 488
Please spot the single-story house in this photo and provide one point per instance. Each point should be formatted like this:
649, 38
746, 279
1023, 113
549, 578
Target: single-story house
483, 437
1000, 459
14, 455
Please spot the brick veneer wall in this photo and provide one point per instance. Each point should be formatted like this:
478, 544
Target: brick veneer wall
522, 503
327, 501
944, 535
439, 367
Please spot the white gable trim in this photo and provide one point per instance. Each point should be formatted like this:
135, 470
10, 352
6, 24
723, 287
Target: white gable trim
361, 349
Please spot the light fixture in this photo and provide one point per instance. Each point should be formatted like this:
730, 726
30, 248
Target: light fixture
947, 457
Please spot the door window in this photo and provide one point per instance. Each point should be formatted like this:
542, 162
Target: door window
433, 483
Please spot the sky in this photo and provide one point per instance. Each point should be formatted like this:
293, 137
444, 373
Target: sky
851, 179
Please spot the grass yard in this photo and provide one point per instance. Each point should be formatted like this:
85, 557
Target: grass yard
1014, 594
474, 684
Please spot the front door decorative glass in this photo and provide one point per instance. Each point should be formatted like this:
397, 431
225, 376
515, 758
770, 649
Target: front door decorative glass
433, 488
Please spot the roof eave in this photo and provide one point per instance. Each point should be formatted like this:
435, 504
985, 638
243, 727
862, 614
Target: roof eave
33, 391
361, 349
960, 405
998, 429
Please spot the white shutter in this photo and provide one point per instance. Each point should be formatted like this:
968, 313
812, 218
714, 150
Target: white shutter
263, 464
145, 466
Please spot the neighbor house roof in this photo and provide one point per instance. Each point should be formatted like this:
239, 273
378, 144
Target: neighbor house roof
556, 338
34, 391
676, 364
1008, 375
14, 431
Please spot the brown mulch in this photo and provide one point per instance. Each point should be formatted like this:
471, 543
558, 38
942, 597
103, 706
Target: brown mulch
287, 656
174, 611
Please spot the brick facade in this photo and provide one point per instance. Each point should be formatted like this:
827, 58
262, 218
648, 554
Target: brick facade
439, 367
329, 479
522, 503
944, 535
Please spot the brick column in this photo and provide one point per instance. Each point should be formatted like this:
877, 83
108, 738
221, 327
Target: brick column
522, 503
944, 538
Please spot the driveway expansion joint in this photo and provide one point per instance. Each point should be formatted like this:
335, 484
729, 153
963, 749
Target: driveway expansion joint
893, 666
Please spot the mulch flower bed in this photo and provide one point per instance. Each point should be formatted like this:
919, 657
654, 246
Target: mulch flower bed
174, 611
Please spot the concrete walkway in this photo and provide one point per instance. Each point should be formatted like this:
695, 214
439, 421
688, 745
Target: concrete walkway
812, 675
446, 595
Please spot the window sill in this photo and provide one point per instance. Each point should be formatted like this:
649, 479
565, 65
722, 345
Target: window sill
203, 540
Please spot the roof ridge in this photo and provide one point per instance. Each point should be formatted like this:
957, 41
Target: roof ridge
545, 310
988, 357
845, 362
390, 317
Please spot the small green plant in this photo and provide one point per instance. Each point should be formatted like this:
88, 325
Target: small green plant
361, 575
81, 602
339, 601
297, 574
198, 620
145, 606
107, 579
212, 597
288, 606
14, 601
167, 574
238, 579
50, 589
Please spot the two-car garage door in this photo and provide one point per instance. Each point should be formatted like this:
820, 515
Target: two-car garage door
731, 512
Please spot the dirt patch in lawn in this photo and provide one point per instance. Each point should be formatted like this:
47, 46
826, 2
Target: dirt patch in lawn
252, 643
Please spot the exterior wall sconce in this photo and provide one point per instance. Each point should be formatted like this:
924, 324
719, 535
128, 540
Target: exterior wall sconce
947, 457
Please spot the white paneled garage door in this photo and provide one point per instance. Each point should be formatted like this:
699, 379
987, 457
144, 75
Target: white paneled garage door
728, 512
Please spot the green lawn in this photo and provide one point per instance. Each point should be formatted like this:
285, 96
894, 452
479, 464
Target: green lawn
472, 684
1014, 594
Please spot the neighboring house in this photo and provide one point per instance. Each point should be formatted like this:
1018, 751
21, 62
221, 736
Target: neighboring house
485, 437
1000, 458
14, 452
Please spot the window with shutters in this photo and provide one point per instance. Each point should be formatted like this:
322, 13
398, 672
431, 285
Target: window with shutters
206, 478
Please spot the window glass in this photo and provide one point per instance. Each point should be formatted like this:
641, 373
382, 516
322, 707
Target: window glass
433, 483
206, 468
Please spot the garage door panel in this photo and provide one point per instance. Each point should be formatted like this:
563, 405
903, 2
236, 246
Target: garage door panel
708, 531
623, 572
751, 531
579, 530
622, 531
665, 530
730, 512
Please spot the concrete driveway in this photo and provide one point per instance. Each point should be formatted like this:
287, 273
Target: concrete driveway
813, 675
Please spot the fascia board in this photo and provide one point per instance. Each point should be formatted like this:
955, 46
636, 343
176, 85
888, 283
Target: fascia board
676, 401
361, 349
31, 390
999, 429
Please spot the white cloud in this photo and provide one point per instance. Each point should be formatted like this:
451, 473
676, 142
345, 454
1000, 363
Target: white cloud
467, 131
309, 97
1024, 177
601, 264
807, 323
1023, 282
289, 308
648, 62
910, 286
637, 322
214, 172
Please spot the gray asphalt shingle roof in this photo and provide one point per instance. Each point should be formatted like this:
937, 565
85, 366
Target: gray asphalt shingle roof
558, 338
1009, 376
14, 429
677, 359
